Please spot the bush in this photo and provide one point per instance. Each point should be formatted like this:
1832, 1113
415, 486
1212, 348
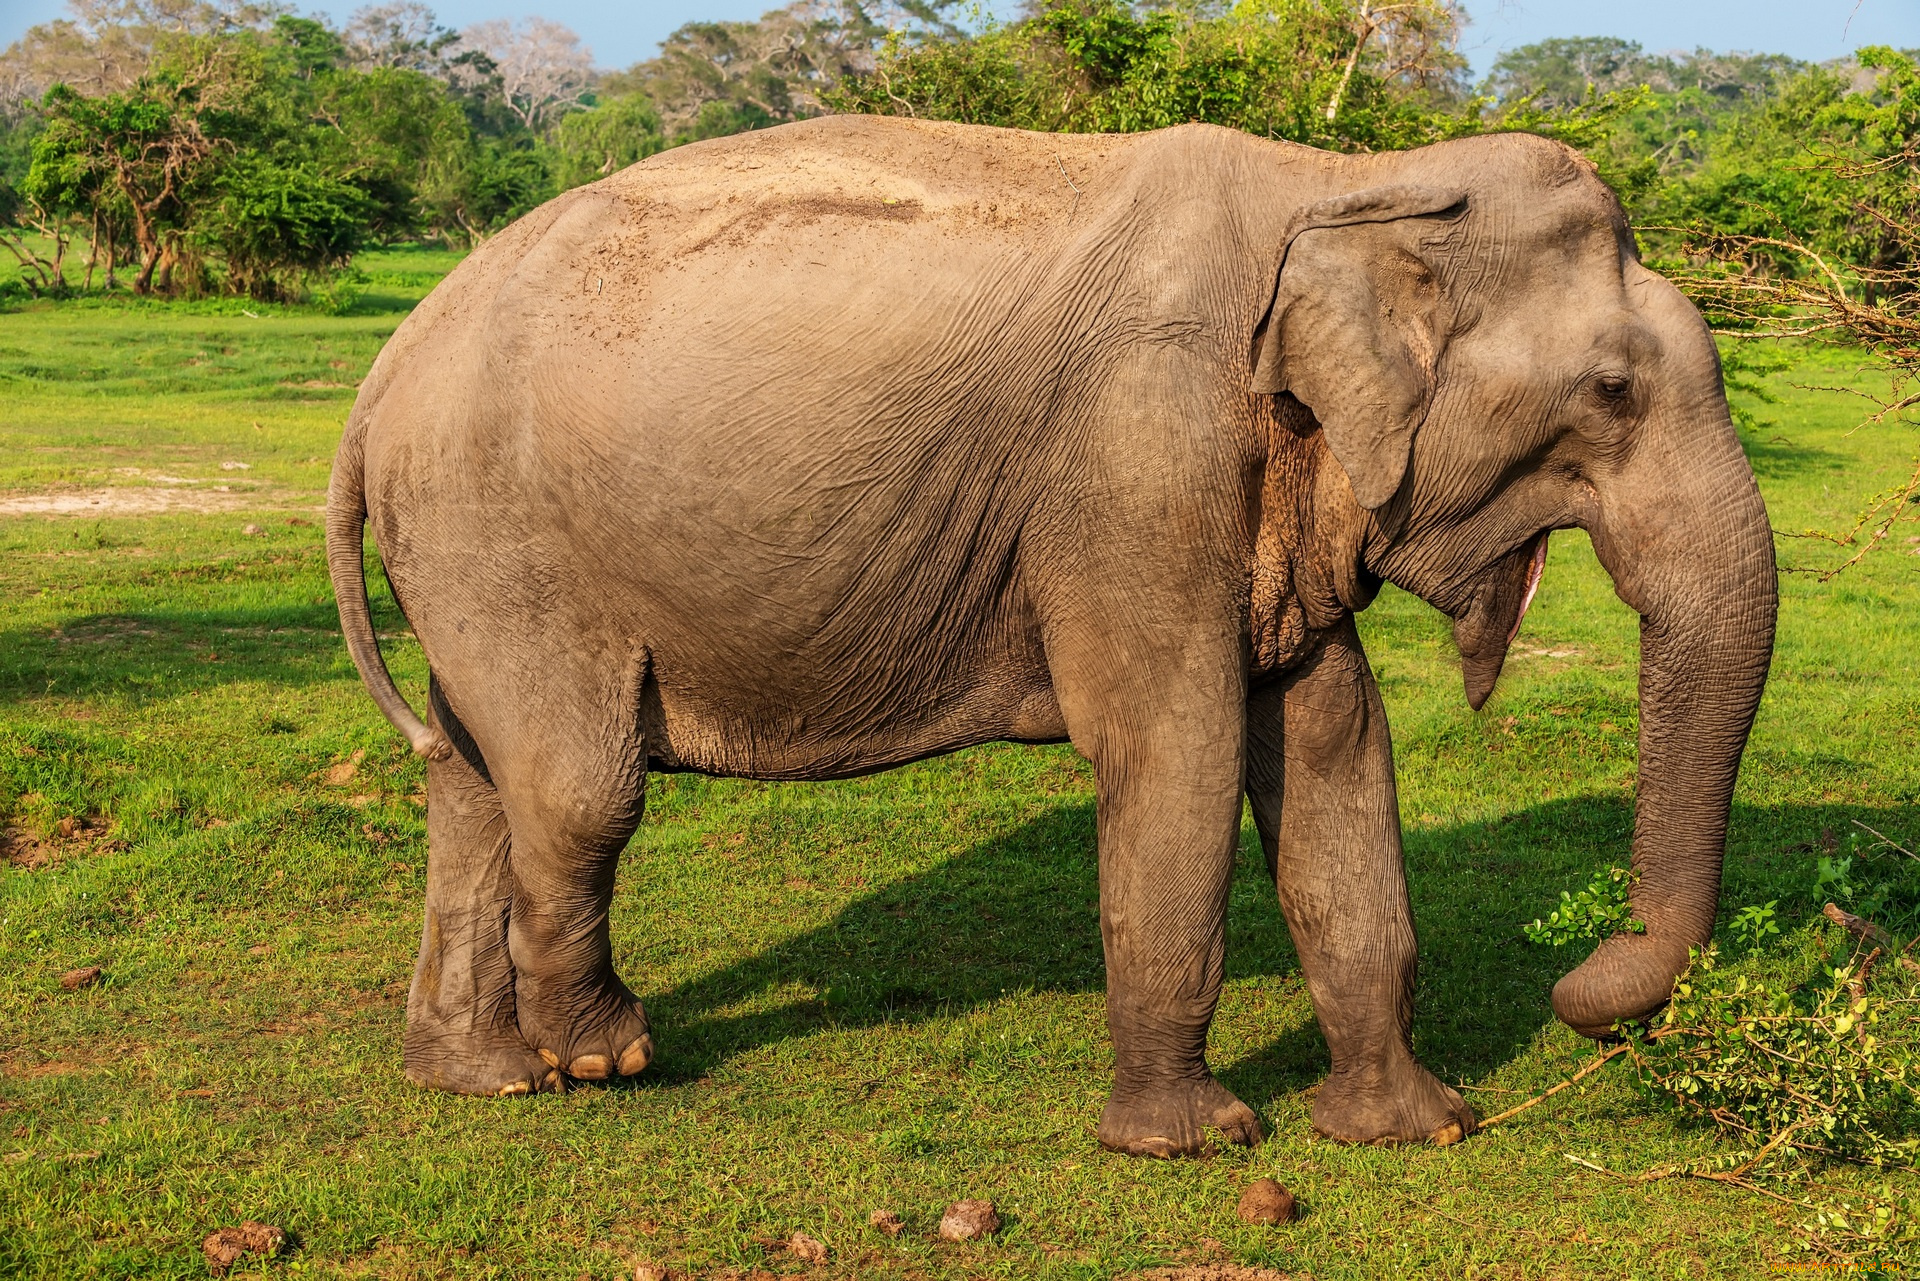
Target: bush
280, 225
609, 137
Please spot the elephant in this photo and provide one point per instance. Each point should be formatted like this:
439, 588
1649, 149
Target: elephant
818, 450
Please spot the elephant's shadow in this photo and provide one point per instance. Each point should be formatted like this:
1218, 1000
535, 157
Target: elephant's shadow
1018, 912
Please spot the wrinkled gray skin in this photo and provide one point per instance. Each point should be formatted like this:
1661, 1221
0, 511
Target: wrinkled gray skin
813, 451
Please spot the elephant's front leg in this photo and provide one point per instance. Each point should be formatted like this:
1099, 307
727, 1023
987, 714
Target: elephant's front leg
1169, 816
1320, 776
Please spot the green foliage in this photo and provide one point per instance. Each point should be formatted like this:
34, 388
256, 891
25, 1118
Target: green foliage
1270, 67
392, 133
605, 138
1828, 1065
391, 124
269, 219
489, 185
1808, 164
1592, 913
1567, 71
257, 162
1754, 923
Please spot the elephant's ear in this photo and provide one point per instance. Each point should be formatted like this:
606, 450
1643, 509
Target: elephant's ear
1353, 330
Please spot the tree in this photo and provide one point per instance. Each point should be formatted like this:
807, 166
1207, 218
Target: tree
1325, 72
713, 78
1566, 71
389, 130
1835, 255
313, 48
270, 219
32, 219
107, 45
538, 68
486, 186
610, 136
1415, 43
404, 35
145, 144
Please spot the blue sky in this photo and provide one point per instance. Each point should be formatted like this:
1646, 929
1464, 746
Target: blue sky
621, 32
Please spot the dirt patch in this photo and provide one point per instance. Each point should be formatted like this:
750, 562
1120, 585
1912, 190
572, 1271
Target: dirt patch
29, 852
125, 500
45, 1067
101, 629
1212, 1272
229, 1245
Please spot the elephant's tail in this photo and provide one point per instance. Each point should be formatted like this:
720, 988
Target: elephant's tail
346, 521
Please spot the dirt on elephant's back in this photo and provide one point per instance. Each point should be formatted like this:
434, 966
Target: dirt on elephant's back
863, 168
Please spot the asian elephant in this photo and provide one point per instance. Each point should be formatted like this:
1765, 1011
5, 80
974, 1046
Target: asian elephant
813, 451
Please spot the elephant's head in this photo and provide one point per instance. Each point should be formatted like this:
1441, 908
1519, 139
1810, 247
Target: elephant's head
1489, 361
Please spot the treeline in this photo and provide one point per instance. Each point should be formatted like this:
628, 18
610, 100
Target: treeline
184, 147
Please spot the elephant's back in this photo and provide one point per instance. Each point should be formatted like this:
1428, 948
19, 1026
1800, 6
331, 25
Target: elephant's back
820, 289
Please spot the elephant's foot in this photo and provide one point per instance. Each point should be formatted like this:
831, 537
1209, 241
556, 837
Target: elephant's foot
496, 1063
608, 1036
1402, 1104
1170, 1119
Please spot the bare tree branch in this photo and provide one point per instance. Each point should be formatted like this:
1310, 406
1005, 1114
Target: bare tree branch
543, 70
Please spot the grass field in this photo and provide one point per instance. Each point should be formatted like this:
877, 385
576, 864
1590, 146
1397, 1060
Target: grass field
882, 993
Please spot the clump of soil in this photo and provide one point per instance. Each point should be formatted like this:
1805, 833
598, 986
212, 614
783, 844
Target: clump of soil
887, 1221
806, 1248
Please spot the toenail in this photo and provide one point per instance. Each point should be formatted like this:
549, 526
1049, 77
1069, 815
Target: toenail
634, 1059
591, 1067
515, 1087
552, 1059
1447, 1135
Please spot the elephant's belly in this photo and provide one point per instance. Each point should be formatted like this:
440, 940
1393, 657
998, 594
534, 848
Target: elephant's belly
738, 733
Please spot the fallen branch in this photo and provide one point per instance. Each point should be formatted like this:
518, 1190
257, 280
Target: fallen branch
1886, 840
1869, 933
1538, 1099
1736, 1178
1858, 983
1739, 1172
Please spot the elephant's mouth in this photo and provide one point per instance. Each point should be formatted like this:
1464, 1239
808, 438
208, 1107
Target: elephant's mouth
1493, 617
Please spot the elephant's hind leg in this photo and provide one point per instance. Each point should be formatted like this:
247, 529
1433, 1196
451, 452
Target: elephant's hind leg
1320, 776
573, 801
461, 1031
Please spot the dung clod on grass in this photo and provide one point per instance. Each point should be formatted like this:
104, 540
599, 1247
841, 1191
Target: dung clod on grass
969, 1221
227, 1246
1266, 1202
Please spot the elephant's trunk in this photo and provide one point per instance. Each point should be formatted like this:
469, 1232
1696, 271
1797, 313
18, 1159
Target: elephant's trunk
1682, 530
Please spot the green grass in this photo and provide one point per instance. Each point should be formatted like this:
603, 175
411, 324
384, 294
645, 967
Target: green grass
880, 993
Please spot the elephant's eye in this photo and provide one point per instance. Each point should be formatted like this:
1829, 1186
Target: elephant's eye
1612, 388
